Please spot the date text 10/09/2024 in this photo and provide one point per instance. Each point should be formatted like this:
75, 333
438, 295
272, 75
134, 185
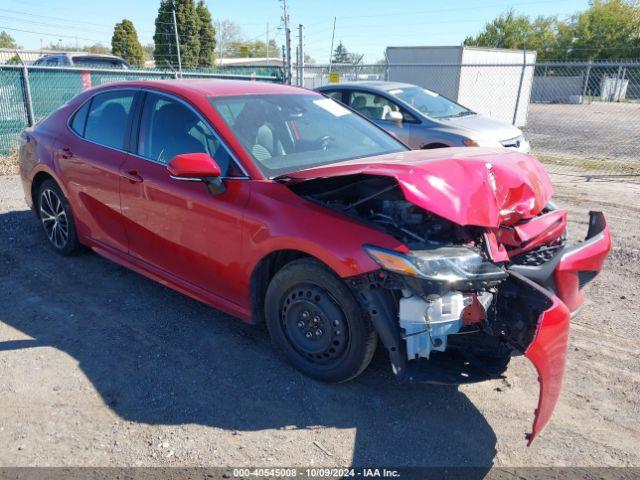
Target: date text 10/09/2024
316, 472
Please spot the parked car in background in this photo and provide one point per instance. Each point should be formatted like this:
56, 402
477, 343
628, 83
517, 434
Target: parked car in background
88, 60
424, 119
278, 205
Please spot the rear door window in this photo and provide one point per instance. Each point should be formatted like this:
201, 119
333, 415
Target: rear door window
108, 119
375, 107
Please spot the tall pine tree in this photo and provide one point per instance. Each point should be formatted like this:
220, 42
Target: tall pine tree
341, 54
165, 53
207, 34
125, 44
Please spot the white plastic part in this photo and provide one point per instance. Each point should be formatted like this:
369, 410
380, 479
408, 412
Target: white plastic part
427, 323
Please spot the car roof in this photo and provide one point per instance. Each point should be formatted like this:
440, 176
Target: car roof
82, 54
213, 87
369, 84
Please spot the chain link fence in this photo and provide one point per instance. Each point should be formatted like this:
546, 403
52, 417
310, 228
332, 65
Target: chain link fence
581, 118
29, 93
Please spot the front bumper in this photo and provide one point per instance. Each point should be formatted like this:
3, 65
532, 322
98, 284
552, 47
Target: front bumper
561, 280
573, 266
532, 315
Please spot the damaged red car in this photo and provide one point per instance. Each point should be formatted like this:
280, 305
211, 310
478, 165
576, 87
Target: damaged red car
278, 205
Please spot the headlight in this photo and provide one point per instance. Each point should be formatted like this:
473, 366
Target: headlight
446, 264
481, 143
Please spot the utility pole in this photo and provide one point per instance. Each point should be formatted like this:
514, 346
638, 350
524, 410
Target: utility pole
175, 30
266, 52
300, 57
333, 35
287, 41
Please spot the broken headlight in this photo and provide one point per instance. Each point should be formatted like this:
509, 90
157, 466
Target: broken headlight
445, 264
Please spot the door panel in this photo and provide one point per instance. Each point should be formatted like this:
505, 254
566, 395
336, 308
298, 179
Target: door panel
181, 228
178, 225
90, 162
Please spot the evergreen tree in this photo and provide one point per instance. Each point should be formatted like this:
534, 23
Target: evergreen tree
125, 44
165, 53
207, 34
341, 54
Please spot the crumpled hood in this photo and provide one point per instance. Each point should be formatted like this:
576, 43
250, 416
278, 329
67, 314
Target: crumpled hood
468, 186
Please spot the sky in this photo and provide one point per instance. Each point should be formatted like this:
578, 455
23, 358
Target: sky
364, 26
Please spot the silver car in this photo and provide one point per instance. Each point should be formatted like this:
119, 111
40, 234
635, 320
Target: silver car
422, 118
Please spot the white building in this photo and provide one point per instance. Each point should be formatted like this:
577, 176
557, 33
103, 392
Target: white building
490, 81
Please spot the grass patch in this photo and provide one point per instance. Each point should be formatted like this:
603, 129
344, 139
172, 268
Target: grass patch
592, 165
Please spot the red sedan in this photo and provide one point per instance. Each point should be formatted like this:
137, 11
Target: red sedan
278, 205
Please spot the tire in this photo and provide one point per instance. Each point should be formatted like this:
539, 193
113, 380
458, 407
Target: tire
56, 219
316, 323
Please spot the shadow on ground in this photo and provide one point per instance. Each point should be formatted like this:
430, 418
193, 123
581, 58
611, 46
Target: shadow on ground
158, 357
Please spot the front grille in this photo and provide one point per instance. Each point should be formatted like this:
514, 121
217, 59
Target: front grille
537, 256
513, 142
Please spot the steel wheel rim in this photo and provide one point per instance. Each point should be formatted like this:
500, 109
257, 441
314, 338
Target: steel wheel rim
329, 333
54, 218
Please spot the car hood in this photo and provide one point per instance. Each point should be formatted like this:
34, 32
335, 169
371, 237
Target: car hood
479, 127
468, 186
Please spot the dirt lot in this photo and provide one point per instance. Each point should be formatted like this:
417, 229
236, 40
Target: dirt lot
597, 130
102, 367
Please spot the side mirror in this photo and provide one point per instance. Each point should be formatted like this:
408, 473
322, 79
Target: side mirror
197, 167
395, 117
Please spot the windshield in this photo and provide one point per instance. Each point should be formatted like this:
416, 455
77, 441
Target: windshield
291, 132
430, 103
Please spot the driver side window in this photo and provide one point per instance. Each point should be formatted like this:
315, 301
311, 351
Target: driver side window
169, 128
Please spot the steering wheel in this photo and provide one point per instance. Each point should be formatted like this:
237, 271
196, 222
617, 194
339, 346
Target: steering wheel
323, 141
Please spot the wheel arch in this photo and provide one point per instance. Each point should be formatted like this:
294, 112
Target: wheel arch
38, 179
264, 271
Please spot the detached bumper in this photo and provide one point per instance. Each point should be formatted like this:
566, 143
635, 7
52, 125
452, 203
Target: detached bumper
561, 280
573, 266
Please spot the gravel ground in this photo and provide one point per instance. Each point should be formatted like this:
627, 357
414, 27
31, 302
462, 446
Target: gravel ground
594, 131
102, 367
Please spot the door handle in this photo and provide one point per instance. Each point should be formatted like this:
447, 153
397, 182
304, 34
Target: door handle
66, 152
132, 176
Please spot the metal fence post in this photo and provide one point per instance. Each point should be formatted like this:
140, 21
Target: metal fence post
586, 80
524, 65
26, 88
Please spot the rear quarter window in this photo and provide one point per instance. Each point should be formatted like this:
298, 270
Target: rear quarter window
79, 119
107, 120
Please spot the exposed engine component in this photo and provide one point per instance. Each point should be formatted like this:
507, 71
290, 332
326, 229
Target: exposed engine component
379, 200
426, 323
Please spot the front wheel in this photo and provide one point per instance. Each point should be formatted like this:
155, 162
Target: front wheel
317, 324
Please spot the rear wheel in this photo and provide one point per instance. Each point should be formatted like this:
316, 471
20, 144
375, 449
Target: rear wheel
317, 324
56, 218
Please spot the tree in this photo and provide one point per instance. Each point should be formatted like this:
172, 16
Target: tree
228, 33
125, 44
7, 41
251, 49
147, 51
607, 29
207, 35
165, 52
341, 54
95, 48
